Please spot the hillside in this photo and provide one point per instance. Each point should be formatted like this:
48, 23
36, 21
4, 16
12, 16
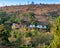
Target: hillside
30, 26
42, 11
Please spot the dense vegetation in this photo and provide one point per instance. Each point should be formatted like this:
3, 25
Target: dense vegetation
26, 37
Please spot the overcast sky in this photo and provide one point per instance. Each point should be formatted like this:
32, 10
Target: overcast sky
22, 2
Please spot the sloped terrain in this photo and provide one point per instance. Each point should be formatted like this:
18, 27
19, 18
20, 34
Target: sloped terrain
42, 11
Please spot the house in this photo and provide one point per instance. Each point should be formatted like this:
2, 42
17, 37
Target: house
32, 26
22, 24
38, 26
26, 24
41, 26
15, 26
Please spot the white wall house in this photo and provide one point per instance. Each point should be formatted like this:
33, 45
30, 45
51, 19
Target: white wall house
38, 26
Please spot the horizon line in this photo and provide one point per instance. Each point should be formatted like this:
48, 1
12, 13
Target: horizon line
31, 4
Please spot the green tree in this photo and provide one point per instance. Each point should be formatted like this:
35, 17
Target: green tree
31, 14
3, 13
4, 34
15, 38
3, 17
56, 41
31, 17
20, 17
12, 19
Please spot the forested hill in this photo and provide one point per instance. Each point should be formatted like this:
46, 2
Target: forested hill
42, 11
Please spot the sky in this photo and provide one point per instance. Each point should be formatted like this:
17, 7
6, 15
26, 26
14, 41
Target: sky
22, 2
